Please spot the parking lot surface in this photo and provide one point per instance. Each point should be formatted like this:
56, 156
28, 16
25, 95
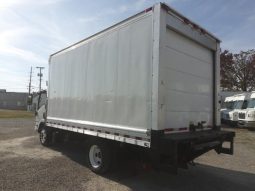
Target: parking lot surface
26, 165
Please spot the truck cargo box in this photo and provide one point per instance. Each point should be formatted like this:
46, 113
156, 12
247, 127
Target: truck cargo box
156, 71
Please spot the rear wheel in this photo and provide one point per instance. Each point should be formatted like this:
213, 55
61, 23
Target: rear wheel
99, 156
45, 136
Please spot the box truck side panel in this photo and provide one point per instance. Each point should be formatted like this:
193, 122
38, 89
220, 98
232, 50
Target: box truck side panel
105, 82
186, 82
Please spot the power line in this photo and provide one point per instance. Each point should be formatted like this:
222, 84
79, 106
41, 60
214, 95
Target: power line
40, 84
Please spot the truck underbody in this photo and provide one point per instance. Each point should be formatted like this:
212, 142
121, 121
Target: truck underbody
172, 151
168, 152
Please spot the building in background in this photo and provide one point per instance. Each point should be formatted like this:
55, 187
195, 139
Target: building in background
13, 100
2, 90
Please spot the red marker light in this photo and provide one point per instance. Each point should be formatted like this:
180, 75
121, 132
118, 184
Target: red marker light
147, 10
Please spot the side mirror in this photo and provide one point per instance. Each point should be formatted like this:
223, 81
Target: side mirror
44, 115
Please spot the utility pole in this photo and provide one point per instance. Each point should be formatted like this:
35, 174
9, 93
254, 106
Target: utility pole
30, 79
29, 99
40, 77
40, 85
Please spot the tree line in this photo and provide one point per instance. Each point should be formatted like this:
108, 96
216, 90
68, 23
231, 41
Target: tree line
237, 70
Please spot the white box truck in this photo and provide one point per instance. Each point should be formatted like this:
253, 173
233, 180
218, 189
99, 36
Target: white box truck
151, 81
246, 117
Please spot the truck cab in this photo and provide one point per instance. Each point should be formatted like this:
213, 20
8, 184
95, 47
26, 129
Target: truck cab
236, 104
246, 117
40, 110
40, 117
228, 106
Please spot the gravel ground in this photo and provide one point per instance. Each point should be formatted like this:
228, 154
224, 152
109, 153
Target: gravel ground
26, 165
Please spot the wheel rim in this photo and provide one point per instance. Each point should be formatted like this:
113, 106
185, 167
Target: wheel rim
43, 136
95, 156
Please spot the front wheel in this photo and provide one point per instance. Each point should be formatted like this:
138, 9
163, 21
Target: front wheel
99, 156
45, 136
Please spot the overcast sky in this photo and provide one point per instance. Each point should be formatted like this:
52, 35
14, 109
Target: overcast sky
31, 30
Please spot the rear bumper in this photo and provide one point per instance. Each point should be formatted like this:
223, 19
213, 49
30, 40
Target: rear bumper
199, 135
181, 148
202, 140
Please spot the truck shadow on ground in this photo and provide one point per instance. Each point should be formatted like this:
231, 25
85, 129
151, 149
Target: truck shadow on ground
127, 171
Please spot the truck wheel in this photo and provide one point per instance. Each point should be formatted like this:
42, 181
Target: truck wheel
45, 137
99, 156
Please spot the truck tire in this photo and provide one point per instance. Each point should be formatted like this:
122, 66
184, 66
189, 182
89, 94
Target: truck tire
99, 156
45, 136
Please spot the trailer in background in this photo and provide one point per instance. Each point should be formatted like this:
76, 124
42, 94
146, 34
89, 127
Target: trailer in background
150, 81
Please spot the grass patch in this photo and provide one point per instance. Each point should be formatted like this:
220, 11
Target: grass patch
15, 114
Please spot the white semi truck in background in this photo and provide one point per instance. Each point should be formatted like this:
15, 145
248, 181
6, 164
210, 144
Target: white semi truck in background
150, 81
246, 117
232, 106
226, 107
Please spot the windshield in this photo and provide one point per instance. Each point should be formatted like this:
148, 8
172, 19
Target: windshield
241, 104
229, 105
251, 103
238, 104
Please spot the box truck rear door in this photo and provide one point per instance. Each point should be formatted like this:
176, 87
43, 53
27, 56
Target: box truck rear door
188, 81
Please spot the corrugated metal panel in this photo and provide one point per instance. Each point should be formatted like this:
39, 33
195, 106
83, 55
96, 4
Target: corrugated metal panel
187, 82
106, 80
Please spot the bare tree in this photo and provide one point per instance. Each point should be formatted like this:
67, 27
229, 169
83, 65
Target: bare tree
238, 70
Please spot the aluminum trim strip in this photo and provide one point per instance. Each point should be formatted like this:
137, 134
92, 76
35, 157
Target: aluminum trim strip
120, 127
130, 140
